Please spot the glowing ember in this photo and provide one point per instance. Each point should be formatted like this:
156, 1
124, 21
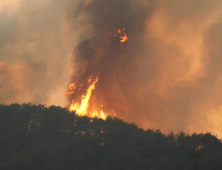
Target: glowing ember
119, 31
71, 89
89, 80
123, 38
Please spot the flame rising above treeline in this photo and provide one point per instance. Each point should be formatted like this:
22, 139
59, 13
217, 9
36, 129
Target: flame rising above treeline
103, 60
82, 109
152, 68
88, 105
166, 74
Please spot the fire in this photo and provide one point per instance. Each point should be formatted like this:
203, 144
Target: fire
71, 89
99, 115
123, 38
82, 109
86, 104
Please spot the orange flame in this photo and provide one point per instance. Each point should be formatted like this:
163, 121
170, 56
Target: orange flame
82, 109
86, 107
123, 38
71, 89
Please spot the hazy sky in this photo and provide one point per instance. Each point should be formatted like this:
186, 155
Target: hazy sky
36, 43
176, 74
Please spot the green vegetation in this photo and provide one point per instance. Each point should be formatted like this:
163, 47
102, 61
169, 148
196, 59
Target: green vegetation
34, 137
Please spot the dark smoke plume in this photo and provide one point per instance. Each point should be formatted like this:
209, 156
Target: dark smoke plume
102, 55
167, 75
160, 77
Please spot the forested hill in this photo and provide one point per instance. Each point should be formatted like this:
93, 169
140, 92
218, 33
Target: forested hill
35, 137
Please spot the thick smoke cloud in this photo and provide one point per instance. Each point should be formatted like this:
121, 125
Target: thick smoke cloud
166, 76
183, 90
36, 43
102, 55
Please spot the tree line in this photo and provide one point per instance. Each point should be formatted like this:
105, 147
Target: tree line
37, 137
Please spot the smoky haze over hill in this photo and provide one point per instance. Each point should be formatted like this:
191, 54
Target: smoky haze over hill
102, 55
167, 75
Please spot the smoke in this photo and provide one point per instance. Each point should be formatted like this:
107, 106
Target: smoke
183, 93
36, 43
167, 75
101, 54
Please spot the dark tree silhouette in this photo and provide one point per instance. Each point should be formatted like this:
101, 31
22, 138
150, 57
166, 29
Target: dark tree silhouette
39, 137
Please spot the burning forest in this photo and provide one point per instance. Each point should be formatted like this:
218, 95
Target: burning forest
91, 103
111, 84
156, 63
104, 60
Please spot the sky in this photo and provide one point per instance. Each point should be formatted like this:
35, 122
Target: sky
171, 67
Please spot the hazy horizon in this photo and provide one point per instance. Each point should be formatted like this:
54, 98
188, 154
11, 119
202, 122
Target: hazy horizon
170, 75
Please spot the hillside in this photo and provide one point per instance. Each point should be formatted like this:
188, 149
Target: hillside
36, 137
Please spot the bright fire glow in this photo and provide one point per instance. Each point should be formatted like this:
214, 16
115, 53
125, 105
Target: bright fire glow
87, 106
82, 109
125, 37
71, 89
